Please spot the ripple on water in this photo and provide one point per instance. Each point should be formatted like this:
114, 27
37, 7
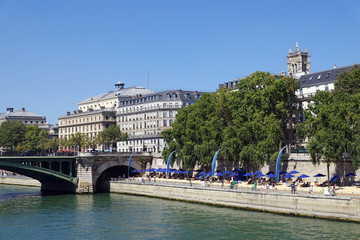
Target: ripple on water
116, 216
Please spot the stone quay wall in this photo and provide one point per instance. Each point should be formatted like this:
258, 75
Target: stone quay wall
338, 208
22, 181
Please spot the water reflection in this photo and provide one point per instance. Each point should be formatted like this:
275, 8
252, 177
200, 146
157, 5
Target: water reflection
116, 216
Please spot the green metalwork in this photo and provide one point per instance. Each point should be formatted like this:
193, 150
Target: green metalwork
25, 166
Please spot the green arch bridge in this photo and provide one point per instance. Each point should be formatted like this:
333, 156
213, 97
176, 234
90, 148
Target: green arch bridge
45, 169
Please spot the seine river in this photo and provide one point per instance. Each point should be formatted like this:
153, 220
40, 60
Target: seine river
26, 214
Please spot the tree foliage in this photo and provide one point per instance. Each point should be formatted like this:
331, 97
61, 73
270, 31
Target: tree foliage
247, 123
12, 134
35, 138
333, 121
111, 135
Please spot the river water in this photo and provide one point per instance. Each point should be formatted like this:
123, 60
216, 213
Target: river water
26, 214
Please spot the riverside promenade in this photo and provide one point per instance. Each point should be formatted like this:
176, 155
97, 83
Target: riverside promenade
344, 206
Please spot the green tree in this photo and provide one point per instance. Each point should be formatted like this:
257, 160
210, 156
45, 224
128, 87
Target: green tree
248, 123
111, 135
12, 134
52, 144
35, 138
78, 140
333, 122
260, 109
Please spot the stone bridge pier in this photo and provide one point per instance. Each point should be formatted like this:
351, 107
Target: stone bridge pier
95, 170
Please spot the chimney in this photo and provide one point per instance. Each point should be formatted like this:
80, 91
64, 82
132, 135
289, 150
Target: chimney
10, 109
23, 109
68, 113
335, 66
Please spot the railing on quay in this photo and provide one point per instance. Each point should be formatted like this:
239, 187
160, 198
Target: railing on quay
236, 188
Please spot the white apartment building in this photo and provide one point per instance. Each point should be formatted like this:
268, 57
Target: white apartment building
144, 118
312, 83
97, 113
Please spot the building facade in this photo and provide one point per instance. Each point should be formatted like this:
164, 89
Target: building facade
312, 83
97, 113
145, 117
28, 118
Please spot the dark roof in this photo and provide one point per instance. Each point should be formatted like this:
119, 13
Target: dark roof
323, 77
170, 95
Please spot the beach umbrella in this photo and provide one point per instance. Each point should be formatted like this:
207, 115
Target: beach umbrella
270, 172
220, 174
350, 175
319, 175
186, 172
247, 174
260, 175
208, 174
218, 171
233, 175
304, 176
271, 175
257, 172
283, 173
202, 173
294, 172
227, 172
289, 176
333, 179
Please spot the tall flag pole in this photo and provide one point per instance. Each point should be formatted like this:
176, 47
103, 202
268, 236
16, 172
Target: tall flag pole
129, 164
278, 163
168, 164
214, 162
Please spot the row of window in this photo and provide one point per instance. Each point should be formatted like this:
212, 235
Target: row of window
86, 128
97, 105
31, 122
84, 120
150, 107
146, 116
151, 124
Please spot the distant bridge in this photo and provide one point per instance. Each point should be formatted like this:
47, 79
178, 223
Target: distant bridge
86, 173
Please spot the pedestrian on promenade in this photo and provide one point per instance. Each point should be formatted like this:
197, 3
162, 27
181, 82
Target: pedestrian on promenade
190, 182
222, 183
311, 190
255, 185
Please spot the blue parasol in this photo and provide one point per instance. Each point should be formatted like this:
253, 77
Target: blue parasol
304, 176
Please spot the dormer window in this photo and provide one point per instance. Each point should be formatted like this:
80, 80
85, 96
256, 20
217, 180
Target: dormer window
319, 76
328, 75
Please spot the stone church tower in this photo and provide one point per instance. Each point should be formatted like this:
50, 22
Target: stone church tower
298, 62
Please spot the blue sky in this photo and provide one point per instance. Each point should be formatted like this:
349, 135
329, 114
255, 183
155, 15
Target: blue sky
54, 54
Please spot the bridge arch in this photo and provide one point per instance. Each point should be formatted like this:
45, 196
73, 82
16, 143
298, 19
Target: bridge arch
47, 170
111, 169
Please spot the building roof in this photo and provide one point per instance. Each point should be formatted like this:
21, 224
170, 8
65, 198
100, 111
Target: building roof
78, 113
169, 95
323, 77
20, 114
119, 92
